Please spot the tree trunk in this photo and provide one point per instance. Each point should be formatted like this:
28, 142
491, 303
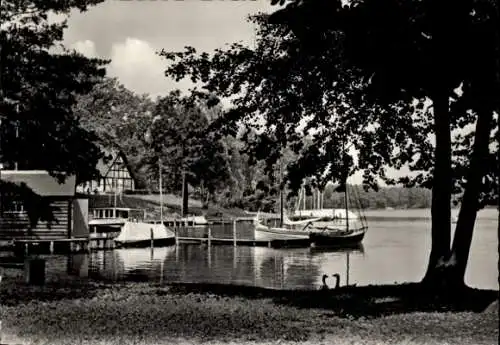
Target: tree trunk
185, 196
207, 200
470, 201
204, 195
486, 85
441, 188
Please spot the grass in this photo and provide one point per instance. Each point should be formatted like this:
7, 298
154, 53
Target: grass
172, 203
141, 313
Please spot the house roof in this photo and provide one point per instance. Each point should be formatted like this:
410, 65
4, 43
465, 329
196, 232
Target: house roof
110, 156
40, 182
104, 164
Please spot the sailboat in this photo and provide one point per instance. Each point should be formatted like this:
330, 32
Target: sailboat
264, 232
323, 226
140, 234
331, 226
268, 233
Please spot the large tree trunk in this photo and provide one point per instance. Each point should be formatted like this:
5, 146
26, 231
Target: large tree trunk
441, 188
486, 84
470, 201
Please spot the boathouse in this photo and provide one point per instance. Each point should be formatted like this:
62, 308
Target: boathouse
69, 211
115, 175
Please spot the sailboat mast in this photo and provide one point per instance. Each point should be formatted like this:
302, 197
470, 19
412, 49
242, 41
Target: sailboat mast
114, 202
305, 197
346, 206
319, 199
160, 183
345, 187
281, 195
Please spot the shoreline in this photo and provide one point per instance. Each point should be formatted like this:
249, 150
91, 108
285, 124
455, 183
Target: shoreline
145, 313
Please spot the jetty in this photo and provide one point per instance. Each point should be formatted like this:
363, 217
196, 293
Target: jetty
236, 231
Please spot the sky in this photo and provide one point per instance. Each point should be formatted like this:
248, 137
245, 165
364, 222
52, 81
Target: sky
131, 32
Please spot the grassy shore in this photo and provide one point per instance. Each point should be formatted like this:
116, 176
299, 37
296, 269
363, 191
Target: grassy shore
139, 313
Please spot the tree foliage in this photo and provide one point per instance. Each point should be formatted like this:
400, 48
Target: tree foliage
39, 88
440, 45
179, 136
40, 81
360, 77
172, 128
118, 118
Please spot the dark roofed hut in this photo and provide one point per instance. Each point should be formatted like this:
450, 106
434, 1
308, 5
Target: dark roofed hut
70, 213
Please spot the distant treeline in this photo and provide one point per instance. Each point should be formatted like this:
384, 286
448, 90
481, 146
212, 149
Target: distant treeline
395, 197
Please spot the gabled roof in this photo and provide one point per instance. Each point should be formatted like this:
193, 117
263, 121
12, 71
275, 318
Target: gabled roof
110, 156
40, 182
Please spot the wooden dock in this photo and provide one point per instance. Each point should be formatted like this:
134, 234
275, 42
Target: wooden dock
101, 241
209, 240
246, 242
50, 246
201, 235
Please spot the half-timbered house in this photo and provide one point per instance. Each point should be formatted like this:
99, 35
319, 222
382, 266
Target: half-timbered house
116, 175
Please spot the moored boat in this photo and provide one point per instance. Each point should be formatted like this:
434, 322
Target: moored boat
137, 234
333, 227
268, 233
339, 238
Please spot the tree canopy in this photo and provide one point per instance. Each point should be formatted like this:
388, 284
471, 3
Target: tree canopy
460, 47
398, 82
39, 88
284, 92
40, 82
118, 118
179, 137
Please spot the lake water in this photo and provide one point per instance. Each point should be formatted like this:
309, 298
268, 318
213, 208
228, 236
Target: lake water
395, 249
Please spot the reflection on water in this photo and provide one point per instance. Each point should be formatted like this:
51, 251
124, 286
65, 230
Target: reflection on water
259, 266
393, 251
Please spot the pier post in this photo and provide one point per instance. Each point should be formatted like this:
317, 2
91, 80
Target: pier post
209, 236
348, 269
234, 232
34, 271
161, 272
51, 249
152, 238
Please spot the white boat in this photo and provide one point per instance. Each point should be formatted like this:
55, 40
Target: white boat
138, 234
267, 233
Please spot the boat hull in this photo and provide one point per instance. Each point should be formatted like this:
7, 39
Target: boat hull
145, 243
337, 239
137, 234
263, 233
